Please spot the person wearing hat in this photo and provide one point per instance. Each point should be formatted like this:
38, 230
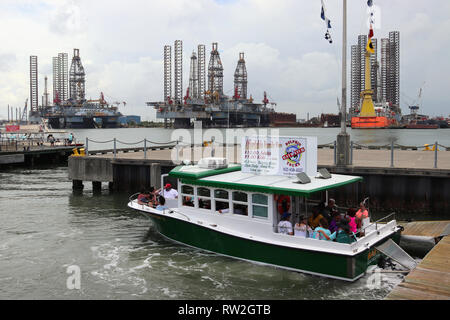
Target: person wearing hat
169, 192
285, 226
301, 229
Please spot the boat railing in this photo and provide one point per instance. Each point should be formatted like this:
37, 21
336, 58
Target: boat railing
382, 221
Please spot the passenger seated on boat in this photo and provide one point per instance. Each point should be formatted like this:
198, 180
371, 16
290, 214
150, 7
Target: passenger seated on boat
314, 220
329, 210
344, 235
162, 204
322, 232
352, 220
301, 229
285, 225
143, 197
187, 201
204, 204
240, 209
335, 218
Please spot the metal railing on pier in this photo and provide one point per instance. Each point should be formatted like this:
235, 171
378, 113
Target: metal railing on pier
142, 145
435, 147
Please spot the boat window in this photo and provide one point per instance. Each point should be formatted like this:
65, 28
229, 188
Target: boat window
203, 192
260, 206
222, 205
204, 203
239, 196
187, 189
240, 209
187, 194
220, 194
188, 201
204, 200
259, 199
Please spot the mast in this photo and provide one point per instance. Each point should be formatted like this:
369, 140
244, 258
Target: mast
344, 70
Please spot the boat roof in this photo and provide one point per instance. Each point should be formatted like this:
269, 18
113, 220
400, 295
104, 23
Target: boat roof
233, 178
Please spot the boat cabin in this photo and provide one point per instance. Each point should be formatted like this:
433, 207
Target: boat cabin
245, 197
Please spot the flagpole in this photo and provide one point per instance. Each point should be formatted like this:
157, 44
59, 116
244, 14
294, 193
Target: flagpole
344, 70
343, 139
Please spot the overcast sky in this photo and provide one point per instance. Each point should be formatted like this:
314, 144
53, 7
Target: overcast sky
121, 47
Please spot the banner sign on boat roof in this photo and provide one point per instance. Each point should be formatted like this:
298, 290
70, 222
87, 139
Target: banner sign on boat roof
285, 156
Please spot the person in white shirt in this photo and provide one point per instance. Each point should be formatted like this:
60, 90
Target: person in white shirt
285, 226
301, 229
169, 192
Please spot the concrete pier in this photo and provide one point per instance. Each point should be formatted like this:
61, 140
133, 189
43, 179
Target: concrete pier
36, 156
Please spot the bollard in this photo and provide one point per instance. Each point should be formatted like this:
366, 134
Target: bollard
435, 154
392, 154
114, 148
334, 152
86, 147
145, 148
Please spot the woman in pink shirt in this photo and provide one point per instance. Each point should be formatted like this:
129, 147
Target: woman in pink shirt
352, 220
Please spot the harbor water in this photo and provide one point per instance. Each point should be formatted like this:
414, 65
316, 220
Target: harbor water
47, 231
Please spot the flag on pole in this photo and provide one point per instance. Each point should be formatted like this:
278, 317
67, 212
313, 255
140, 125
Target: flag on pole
371, 32
324, 18
370, 47
327, 23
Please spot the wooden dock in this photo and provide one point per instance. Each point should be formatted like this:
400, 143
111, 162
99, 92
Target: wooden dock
432, 229
430, 280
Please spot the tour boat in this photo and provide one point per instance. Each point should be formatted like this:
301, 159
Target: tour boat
233, 210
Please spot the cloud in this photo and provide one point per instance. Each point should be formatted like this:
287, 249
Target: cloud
121, 46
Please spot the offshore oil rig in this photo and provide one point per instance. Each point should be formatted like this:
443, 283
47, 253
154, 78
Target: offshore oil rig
70, 108
205, 100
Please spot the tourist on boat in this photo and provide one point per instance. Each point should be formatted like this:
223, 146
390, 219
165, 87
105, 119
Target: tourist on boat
143, 197
314, 220
344, 235
362, 217
335, 219
169, 192
162, 204
301, 229
329, 210
351, 217
285, 225
322, 232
